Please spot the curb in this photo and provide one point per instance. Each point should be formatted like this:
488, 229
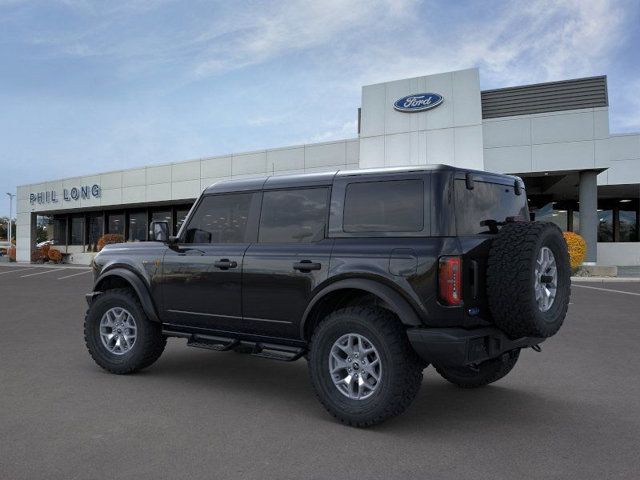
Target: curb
606, 279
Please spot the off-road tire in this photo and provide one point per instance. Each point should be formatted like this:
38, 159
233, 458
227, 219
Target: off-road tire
149, 344
485, 373
401, 369
511, 279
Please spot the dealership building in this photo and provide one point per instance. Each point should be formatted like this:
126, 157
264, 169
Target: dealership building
554, 135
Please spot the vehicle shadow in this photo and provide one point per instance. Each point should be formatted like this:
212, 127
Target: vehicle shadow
438, 407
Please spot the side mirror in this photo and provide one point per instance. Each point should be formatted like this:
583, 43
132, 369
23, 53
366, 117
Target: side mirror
159, 231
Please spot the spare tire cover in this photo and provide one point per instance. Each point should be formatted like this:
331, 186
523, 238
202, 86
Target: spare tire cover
529, 279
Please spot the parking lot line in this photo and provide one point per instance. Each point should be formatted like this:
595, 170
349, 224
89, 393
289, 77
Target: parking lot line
16, 270
74, 274
607, 290
41, 273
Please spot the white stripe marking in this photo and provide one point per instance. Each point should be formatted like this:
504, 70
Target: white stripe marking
607, 290
16, 270
69, 276
41, 273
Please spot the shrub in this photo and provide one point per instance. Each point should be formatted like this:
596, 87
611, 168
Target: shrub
577, 248
109, 238
54, 255
12, 253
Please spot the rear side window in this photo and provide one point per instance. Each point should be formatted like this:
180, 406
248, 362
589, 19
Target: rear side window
487, 201
390, 206
294, 216
220, 219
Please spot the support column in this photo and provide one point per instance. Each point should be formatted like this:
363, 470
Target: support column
588, 197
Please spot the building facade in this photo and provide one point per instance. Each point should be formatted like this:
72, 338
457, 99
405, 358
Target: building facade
554, 135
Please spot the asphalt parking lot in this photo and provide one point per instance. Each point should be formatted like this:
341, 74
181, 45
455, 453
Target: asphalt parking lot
572, 411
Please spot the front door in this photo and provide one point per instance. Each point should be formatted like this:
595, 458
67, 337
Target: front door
290, 259
202, 272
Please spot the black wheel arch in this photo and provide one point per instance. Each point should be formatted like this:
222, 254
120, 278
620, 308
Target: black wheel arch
391, 299
133, 281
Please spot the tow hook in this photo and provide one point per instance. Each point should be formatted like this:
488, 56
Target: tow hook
536, 348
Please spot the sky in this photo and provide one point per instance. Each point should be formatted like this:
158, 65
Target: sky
93, 86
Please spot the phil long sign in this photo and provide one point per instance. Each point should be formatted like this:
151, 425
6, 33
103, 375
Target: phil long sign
418, 102
68, 194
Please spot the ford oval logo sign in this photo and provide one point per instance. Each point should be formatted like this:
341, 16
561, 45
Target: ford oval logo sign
418, 102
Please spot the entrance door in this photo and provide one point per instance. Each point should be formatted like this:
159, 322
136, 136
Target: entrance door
201, 280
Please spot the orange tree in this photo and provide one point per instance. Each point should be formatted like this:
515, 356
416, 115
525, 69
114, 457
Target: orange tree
577, 248
109, 238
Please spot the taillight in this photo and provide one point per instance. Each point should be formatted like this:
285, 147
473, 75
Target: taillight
449, 281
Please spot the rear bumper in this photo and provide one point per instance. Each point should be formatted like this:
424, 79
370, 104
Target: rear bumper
460, 347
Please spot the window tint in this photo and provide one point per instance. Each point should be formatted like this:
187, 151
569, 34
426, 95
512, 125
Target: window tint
487, 201
220, 219
391, 206
297, 216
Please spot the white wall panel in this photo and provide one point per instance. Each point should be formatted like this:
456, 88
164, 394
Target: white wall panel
440, 146
158, 192
250, 163
562, 128
563, 156
136, 194
467, 106
111, 180
216, 167
507, 133
508, 159
324, 154
159, 174
372, 119
285, 159
185, 171
468, 147
185, 190
372, 152
133, 178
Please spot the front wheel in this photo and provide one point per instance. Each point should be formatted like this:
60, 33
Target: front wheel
487, 372
119, 336
362, 367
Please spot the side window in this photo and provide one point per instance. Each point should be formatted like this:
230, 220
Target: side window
220, 219
294, 216
389, 206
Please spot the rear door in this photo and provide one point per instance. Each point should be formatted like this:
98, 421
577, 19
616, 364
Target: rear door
202, 273
289, 260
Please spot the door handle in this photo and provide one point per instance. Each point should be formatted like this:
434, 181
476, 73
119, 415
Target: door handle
225, 264
306, 266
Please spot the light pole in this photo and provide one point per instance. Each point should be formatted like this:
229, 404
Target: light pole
11, 195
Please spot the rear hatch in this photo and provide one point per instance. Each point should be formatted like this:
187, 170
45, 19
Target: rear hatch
483, 201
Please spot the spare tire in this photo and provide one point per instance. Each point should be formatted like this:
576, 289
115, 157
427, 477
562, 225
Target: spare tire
529, 279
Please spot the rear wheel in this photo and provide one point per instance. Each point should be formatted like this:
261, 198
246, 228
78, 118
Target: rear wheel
119, 336
362, 367
483, 374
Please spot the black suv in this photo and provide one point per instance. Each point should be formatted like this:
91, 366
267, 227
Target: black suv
371, 275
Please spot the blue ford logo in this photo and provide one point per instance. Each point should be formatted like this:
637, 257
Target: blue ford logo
418, 102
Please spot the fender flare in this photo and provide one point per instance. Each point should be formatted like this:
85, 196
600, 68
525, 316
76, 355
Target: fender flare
138, 286
399, 305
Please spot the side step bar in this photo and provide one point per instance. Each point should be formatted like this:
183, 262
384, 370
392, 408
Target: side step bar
273, 351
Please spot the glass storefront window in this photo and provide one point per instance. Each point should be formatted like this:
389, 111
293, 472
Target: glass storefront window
137, 226
605, 225
77, 230
547, 213
628, 221
60, 230
181, 214
96, 230
115, 223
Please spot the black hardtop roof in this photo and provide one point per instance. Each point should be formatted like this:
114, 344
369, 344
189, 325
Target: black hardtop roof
327, 178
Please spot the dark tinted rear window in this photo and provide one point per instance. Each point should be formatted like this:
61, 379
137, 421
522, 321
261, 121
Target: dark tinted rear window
294, 216
487, 201
389, 206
